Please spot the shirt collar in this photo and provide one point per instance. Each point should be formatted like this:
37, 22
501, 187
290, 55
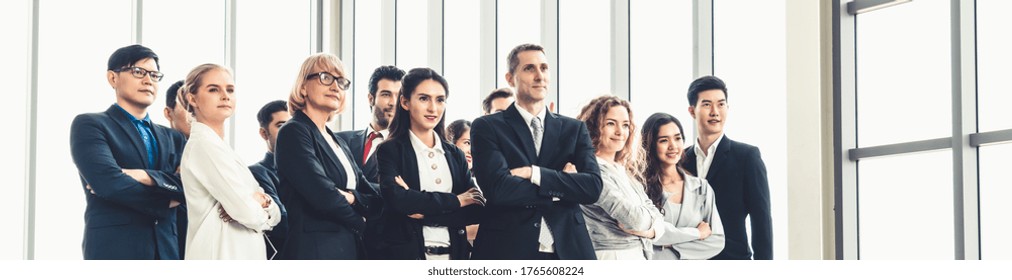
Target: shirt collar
711, 150
384, 133
146, 120
528, 116
419, 146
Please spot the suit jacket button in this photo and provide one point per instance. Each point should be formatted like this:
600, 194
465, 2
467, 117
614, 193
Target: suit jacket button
460, 232
535, 224
156, 222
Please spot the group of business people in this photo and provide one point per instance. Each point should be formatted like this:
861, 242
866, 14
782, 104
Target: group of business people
407, 186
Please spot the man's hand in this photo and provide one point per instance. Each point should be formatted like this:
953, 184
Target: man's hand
570, 168
522, 172
347, 196
140, 176
89, 189
471, 196
416, 216
173, 203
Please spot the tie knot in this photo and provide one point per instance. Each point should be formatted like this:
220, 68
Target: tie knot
373, 135
536, 123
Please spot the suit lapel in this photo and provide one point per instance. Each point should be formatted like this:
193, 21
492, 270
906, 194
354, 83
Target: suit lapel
523, 132
342, 175
719, 158
553, 127
130, 130
410, 175
453, 164
165, 151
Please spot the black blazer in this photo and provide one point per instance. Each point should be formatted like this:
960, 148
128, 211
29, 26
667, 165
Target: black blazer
401, 237
321, 223
510, 225
738, 177
124, 219
266, 174
356, 145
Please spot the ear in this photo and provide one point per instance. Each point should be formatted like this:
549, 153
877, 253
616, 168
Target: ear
692, 111
372, 100
168, 113
111, 77
509, 79
404, 103
263, 134
191, 101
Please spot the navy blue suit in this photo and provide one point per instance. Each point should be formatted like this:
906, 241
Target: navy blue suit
738, 177
266, 173
401, 238
511, 222
125, 219
321, 222
370, 169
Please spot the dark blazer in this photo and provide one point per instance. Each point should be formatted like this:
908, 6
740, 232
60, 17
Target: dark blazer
266, 173
738, 177
125, 219
401, 237
321, 223
510, 225
356, 145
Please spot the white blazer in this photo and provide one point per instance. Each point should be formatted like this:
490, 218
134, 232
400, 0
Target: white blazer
213, 175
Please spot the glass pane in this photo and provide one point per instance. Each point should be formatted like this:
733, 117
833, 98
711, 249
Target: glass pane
904, 193
265, 68
14, 17
79, 43
584, 53
367, 28
661, 68
519, 22
179, 46
993, 59
462, 40
413, 34
750, 58
995, 193
904, 73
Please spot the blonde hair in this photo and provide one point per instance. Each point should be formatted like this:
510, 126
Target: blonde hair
194, 80
324, 61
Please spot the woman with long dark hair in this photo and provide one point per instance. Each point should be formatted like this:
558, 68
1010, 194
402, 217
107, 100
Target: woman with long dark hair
692, 224
425, 181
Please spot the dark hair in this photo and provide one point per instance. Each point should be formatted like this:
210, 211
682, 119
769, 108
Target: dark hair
388, 72
652, 172
171, 94
127, 56
401, 123
486, 105
456, 129
265, 115
594, 114
702, 84
513, 60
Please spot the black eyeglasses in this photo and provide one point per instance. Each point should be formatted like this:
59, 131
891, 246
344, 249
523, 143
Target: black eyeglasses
328, 79
139, 73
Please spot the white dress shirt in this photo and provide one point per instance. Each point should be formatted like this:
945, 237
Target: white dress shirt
433, 176
545, 236
214, 176
703, 160
384, 134
350, 178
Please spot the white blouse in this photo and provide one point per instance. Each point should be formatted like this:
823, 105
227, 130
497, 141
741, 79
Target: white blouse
214, 176
434, 176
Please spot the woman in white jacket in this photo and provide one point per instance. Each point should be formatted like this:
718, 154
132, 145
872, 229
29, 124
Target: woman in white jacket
692, 225
227, 209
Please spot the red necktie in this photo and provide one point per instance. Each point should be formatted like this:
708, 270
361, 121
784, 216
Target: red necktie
368, 145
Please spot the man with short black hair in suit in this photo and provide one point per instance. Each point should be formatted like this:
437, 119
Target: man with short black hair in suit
735, 170
384, 87
271, 117
533, 207
128, 167
497, 101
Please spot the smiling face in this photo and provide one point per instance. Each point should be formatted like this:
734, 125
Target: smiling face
138, 92
214, 100
531, 76
615, 129
669, 143
383, 103
464, 144
710, 112
426, 105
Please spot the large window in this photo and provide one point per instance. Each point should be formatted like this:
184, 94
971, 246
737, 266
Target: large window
756, 91
264, 68
660, 59
413, 31
992, 89
368, 55
584, 53
461, 67
14, 17
518, 22
82, 48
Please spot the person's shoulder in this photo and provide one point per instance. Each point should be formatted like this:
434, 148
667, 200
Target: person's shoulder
348, 134
95, 117
741, 147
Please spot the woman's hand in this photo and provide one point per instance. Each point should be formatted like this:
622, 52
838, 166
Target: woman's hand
649, 234
400, 182
471, 196
263, 199
704, 230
